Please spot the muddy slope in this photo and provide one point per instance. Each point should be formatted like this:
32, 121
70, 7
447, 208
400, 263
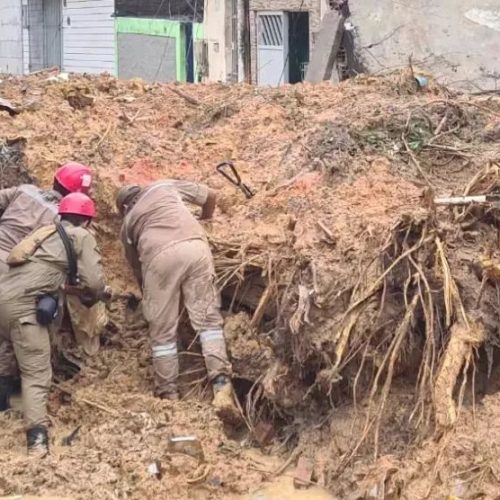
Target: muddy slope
351, 301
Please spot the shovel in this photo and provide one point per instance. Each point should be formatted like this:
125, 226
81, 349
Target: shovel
228, 170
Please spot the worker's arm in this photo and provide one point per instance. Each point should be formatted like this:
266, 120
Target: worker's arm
90, 272
6, 197
209, 207
198, 194
132, 256
192, 192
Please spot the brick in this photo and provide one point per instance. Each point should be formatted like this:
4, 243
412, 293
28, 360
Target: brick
302, 477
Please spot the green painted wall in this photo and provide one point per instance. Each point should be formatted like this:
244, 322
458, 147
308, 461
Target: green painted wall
163, 27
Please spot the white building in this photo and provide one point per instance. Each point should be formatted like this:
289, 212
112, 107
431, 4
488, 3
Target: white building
75, 35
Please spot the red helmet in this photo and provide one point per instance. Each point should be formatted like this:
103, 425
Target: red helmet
74, 177
77, 204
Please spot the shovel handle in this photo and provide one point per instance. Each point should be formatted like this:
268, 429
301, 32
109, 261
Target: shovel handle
233, 177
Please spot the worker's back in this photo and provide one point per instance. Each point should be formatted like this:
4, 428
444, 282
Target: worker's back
24, 209
47, 271
160, 218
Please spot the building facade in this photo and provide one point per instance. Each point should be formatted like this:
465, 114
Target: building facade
154, 40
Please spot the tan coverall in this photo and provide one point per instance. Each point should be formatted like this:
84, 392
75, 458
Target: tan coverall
22, 210
19, 289
169, 253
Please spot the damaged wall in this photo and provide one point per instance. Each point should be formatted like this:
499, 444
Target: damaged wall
458, 41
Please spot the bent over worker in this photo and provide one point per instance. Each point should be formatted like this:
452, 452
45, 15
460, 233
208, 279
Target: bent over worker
24, 209
29, 294
169, 253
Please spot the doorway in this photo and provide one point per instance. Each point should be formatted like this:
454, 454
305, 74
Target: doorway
44, 34
298, 45
189, 51
282, 47
272, 48
52, 17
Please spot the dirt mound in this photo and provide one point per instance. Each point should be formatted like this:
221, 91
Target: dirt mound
351, 301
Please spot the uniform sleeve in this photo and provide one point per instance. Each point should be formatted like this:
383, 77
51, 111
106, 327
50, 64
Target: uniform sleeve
90, 269
131, 255
6, 197
191, 192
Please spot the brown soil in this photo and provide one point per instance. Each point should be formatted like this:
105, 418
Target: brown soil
343, 288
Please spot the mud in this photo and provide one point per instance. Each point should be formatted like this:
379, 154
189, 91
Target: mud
332, 346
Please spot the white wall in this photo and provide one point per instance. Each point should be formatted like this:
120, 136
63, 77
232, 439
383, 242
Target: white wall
33, 38
26, 46
216, 25
88, 36
11, 45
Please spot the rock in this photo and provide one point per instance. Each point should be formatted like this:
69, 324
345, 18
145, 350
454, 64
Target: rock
302, 477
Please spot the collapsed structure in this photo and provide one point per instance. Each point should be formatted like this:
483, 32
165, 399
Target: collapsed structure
355, 308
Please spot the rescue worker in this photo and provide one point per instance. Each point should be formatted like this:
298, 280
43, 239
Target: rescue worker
26, 207
39, 267
168, 251
22, 210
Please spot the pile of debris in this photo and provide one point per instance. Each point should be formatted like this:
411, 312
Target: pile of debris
354, 305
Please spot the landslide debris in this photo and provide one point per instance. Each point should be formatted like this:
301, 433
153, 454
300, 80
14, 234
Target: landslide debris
355, 312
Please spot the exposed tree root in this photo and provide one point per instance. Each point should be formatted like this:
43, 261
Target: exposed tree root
459, 349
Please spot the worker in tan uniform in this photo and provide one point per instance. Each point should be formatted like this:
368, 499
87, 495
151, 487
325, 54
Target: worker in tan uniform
168, 251
24, 209
39, 269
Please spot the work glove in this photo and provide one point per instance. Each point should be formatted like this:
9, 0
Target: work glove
106, 295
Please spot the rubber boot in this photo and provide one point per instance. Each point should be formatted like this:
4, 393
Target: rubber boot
38, 441
223, 400
166, 371
171, 395
6, 388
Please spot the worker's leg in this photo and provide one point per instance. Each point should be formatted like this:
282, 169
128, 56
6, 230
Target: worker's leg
8, 365
8, 372
202, 302
32, 348
161, 298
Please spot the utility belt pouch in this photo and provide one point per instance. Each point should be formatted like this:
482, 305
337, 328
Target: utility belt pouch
46, 309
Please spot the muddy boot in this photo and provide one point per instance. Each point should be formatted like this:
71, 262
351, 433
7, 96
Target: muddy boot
172, 394
38, 441
6, 388
166, 371
223, 400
